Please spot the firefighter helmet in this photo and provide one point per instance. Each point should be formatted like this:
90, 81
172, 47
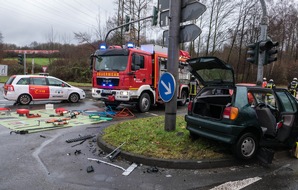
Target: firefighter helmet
271, 80
295, 79
264, 79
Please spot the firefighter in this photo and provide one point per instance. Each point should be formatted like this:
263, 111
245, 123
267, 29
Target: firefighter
270, 84
264, 83
193, 87
293, 87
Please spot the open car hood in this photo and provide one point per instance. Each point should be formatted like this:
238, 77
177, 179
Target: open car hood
211, 71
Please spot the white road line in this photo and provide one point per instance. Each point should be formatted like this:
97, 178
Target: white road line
152, 114
236, 185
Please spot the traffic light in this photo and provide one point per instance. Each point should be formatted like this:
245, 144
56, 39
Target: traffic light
127, 20
253, 53
265, 45
155, 16
270, 55
20, 59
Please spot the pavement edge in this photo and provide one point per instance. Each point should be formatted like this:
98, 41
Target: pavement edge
169, 163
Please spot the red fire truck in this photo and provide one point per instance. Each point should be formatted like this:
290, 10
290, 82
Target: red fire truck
131, 75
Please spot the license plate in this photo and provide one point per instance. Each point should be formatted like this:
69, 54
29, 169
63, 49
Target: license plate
107, 91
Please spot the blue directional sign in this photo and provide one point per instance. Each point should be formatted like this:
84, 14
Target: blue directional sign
166, 86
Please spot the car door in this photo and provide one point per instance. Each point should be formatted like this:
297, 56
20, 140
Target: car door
58, 89
39, 88
142, 70
289, 116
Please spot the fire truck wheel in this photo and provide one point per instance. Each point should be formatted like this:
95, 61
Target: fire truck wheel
74, 98
24, 99
144, 103
183, 98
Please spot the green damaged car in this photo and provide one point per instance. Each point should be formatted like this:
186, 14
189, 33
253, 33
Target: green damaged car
245, 116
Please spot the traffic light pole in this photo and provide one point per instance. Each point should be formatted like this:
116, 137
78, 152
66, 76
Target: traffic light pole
125, 25
262, 37
173, 60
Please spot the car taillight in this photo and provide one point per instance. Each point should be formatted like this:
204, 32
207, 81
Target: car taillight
10, 88
189, 107
230, 113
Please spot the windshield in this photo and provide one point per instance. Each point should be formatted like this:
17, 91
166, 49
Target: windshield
111, 63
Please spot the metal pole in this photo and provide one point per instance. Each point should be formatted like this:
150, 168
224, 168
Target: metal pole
262, 37
172, 64
25, 64
145, 18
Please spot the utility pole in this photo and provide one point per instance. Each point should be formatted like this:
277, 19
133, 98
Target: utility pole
25, 68
262, 37
173, 60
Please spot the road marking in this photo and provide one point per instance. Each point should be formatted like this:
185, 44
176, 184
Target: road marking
236, 185
152, 114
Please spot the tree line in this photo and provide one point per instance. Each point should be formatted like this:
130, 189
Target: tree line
227, 27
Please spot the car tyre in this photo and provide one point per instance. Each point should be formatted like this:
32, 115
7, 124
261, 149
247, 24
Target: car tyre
24, 99
74, 98
183, 97
144, 103
246, 146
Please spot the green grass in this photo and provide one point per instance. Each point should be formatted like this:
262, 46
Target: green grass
3, 79
37, 61
147, 137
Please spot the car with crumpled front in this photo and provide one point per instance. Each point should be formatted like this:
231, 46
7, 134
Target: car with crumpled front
222, 111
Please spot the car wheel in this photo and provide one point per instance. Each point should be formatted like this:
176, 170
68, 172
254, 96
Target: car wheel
24, 99
74, 98
246, 146
183, 97
144, 103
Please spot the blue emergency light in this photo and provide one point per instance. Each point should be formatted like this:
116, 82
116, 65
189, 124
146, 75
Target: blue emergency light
130, 45
103, 46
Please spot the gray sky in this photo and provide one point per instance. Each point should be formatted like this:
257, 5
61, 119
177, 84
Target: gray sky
25, 21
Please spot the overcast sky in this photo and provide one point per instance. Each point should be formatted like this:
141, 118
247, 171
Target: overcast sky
25, 21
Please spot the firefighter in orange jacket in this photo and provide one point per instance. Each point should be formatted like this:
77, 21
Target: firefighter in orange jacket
264, 83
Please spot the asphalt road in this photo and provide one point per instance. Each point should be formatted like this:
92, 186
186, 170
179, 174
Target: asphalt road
45, 161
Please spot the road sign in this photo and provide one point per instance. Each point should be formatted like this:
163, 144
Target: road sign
188, 33
44, 68
3, 70
166, 86
190, 10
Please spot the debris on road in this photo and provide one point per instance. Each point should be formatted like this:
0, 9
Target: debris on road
126, 171
80, 138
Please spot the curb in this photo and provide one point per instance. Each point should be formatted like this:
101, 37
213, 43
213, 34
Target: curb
168, 163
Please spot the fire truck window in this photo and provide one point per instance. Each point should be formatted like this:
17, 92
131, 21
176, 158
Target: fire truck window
162, 64
137, 62
111, 63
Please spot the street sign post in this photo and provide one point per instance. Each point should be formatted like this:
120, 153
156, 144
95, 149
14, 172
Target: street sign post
190, 10
187, 33
166, 86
